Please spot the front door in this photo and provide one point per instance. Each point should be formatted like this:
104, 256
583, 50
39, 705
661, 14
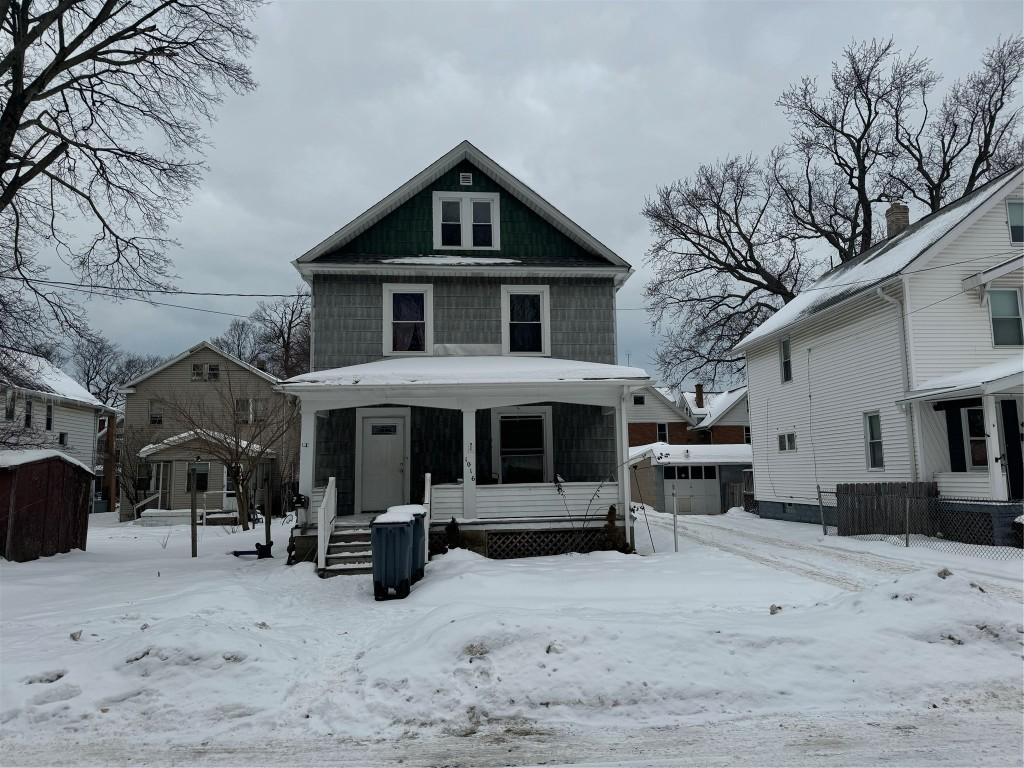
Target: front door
382, 475
1012, 449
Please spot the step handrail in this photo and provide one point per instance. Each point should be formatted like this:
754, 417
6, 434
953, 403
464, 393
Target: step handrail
326, 515
144, 502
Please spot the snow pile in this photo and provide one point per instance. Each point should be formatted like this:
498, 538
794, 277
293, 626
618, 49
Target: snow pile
401, 514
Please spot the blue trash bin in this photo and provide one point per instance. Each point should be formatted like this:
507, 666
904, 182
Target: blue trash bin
391, 536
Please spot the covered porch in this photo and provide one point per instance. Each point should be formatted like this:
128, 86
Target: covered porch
509, 442
969, 428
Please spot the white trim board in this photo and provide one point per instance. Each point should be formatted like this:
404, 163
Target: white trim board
384, 413
466, 200
389, 289
507, 291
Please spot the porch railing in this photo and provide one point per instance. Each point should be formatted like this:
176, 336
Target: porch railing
326, 513
426, 517
142, 504
529, 500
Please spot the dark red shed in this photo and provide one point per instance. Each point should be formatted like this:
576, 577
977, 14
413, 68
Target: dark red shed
44, 503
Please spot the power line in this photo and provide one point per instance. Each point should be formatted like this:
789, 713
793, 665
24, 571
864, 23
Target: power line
172, 291
158, 303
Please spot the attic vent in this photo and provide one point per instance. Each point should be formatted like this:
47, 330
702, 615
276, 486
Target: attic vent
466, 179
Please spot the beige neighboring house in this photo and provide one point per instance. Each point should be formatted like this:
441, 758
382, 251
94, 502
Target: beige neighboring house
172, 414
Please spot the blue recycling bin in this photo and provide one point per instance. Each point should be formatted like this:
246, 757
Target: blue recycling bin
391, 539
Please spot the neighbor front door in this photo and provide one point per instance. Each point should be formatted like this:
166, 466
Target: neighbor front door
382, 475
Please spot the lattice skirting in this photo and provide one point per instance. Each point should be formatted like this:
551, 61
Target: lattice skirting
504, 545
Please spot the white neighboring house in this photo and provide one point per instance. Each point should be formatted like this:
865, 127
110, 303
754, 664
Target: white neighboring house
904, 364
726, 417
44, 407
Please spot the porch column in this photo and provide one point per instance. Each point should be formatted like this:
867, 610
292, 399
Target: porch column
307, 457
996, 476
469, 462
622, 427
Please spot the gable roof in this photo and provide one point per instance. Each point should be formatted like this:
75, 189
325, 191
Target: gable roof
721, 405
886, 260
37, 374
423, 179
191, 350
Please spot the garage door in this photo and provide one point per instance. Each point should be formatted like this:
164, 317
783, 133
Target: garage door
693, 489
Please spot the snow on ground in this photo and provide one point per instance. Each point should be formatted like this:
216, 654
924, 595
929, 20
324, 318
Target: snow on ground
600, 658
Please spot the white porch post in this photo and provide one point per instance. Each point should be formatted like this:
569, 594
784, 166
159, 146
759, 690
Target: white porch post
307, 457
622, 426
469, 462
996, 477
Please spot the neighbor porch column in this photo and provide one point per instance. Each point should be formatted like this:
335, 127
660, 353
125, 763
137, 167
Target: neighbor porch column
622, 428
469, 462
996, 476
307, 457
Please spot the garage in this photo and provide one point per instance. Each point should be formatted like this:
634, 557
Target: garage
692, 490
690, 479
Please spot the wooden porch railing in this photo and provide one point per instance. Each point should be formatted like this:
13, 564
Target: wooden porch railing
326, 513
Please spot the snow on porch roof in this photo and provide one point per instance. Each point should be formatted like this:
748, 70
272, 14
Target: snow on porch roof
192, 434
718, 453
1004, 376
469, 370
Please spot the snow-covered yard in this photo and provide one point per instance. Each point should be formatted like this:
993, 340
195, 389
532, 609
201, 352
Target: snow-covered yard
604, 658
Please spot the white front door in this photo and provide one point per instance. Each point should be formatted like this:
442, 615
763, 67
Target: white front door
382, 474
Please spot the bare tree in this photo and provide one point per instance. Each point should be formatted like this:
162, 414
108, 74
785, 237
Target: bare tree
282, 333
87, 89
132, 472
944, 153
726, 256
241, 427
103, 367
239, 340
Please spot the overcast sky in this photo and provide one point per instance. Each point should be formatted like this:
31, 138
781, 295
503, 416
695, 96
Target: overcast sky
592, 105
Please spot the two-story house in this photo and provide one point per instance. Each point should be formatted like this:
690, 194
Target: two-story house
181, 414
463, 327
904, 364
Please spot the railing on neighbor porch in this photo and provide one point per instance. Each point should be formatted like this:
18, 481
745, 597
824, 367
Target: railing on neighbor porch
588, 500
915, 515
141, 506
326, 513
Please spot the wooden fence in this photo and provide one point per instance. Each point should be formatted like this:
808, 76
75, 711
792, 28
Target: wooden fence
884, 508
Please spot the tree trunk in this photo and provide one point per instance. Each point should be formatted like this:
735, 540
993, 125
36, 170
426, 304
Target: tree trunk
242, 502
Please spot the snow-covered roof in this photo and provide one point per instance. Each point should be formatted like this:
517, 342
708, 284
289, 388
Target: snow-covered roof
1004, 376
18, 457
699, 412
204, 435
663, 453
721, 405
450, 261
887, 259
191, 350
38, 374
477, 369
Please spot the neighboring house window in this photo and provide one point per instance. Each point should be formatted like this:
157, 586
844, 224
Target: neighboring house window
522, 453
974, 438
663, 433
49, 417
1004, 306
62, 438
873, 440
9, 405
785, 360
28, 412
787, 442
467, 220
197, 371
202, 477
248, 410
1015, 218
408, 319
639, 399
525, 320
213, 372
156, 412
746, 435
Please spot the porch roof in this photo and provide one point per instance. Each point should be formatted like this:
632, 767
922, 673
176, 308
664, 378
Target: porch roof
718, 453
197, 435
1004, 377
466, 371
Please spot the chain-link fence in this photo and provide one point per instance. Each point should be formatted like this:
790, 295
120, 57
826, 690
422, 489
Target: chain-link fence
977, 527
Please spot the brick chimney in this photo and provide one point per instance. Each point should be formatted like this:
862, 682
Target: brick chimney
698, 395
897, 218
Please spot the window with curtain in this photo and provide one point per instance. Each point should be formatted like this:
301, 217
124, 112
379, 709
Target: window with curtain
408, 322
525, 327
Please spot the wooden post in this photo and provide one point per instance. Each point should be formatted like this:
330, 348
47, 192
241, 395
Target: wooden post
821, 514
195, 518
907, 515
307, 459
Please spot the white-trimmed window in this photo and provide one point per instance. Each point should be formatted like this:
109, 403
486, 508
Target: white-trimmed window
9, 405
787, 442
525, 320
197, 372
521, 447
62, 438
639, 399
1004, 308
469, 221
49, 417
746, 435
662, 433
212, 372
408, 319
975, 443
785, 361
28, 413
202, 476
156, 412
248, 410
1015, 220
873, 440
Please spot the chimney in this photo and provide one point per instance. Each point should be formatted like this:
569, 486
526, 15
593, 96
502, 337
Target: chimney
698, 395
897, 218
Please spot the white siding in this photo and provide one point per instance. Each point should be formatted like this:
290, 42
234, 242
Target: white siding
654, 409
736, 416
855, 367
79, 423
526, 500
955, 332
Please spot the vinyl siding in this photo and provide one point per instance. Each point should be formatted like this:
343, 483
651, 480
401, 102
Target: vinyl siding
855, 367
736, 416
949, 330
79, 423
654, 409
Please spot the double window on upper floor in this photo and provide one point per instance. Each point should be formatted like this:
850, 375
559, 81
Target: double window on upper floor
205, 372
409, 319
468, 221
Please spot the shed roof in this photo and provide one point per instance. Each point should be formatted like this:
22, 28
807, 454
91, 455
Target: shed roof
21, 456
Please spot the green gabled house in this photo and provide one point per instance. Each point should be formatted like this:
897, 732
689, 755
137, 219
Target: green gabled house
463, 352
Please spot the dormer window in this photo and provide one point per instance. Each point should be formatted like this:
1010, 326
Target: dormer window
466, 220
